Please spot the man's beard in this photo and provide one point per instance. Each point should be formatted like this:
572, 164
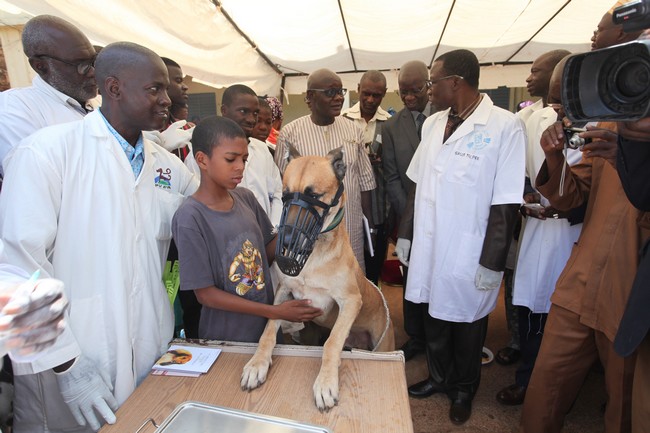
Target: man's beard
77, 92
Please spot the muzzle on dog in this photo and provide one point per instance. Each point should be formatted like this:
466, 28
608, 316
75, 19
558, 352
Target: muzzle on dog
300, 225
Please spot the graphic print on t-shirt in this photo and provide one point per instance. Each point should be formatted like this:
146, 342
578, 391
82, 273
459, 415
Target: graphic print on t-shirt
247, 269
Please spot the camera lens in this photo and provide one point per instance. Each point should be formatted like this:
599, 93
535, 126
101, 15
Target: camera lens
576, 142
633, 79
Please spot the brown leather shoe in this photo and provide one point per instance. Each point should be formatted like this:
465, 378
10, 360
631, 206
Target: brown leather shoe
512, 395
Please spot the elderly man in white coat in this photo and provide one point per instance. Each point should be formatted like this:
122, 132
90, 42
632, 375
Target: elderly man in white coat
90, 203
469, 175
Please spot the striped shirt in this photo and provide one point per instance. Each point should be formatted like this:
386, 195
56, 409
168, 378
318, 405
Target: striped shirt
311, 139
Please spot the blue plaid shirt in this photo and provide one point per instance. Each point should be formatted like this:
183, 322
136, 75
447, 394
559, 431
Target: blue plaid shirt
135, 154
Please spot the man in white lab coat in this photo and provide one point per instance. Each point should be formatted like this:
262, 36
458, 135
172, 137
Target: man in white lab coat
469, 175
91, 203
64, 88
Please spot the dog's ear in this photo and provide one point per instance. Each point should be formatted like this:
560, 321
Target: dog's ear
291, 153
336, 158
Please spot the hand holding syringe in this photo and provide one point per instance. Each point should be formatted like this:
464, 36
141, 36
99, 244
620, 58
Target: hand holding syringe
31, 316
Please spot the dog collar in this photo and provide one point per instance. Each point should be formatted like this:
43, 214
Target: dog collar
336, 221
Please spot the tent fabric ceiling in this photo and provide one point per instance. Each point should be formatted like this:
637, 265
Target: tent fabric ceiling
221, 42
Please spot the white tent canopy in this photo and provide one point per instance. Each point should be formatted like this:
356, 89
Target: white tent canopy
267, 44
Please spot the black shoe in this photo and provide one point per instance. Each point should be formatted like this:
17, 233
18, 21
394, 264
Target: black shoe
508, 356
412, 348
512, 395
460, 411
425, 388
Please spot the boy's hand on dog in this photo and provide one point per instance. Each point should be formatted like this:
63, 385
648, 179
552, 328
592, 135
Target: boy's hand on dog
296, 310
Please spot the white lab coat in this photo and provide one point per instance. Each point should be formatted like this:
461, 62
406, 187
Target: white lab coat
545, 245
262, 177
25, 110
71, 206
480, 165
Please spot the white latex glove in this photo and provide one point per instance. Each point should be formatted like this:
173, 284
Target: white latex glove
402, 249
31, 317
87, 391
487, 279
175, 136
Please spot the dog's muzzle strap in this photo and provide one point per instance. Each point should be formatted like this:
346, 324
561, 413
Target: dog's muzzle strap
300, 226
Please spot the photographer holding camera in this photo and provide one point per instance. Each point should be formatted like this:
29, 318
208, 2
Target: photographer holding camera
592, 291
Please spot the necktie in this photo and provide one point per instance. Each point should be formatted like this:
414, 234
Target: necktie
453, 121
419, 122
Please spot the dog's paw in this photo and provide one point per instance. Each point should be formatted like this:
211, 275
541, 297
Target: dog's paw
254, 373
326, 392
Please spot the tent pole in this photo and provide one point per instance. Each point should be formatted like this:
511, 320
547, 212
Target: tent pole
268, 61
451, 9
347, 37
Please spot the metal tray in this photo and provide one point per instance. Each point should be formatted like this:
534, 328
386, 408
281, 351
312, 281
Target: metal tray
197, 417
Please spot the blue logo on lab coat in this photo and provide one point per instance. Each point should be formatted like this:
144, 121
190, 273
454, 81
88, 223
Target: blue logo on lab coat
479, 140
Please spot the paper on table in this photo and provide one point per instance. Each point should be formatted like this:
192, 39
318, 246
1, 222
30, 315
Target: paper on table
366, 229
187, 359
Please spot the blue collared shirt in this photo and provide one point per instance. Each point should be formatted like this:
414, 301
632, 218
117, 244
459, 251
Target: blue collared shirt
135, 155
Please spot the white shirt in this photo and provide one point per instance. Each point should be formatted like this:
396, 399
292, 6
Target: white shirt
368, 128
26, 110
263, 178
525, 113
71, 207
480, 165
545, 245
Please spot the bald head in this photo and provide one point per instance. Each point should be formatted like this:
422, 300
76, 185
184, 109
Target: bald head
61, 55
413, 69
555, 83
537, 82
123, 58
43, 32
320, 76
373, 77
412, 81
134, 82
608, 34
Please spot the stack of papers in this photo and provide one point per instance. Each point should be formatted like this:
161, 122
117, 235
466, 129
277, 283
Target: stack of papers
186, 361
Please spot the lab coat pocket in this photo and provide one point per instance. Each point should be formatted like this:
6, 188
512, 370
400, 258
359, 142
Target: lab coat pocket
467, 256
165, 205
464, 168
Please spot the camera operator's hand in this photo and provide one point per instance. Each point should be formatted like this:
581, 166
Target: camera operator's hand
636, 131
552, 143
532, 197
603, 144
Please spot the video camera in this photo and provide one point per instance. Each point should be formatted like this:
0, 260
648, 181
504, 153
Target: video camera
612, 84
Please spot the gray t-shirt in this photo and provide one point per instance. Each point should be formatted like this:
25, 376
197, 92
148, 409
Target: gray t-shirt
226, 250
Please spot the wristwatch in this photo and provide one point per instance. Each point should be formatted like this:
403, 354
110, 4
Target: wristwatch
373, 231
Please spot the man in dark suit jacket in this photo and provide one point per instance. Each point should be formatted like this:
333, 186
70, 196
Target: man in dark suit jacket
400, 138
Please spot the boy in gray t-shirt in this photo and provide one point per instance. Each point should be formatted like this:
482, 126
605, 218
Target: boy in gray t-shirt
225, 242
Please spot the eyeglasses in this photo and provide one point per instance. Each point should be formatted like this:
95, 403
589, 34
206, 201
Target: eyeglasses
403, 92
437, 80
83, 67
330, 93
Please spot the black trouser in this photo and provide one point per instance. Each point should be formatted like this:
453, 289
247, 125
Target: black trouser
191, 313
414, 315
531, 331
454, 355
375, 263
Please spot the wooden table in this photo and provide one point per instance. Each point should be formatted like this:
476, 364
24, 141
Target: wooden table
372, 391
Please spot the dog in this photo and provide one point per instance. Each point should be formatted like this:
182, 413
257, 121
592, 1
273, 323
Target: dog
331, 278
